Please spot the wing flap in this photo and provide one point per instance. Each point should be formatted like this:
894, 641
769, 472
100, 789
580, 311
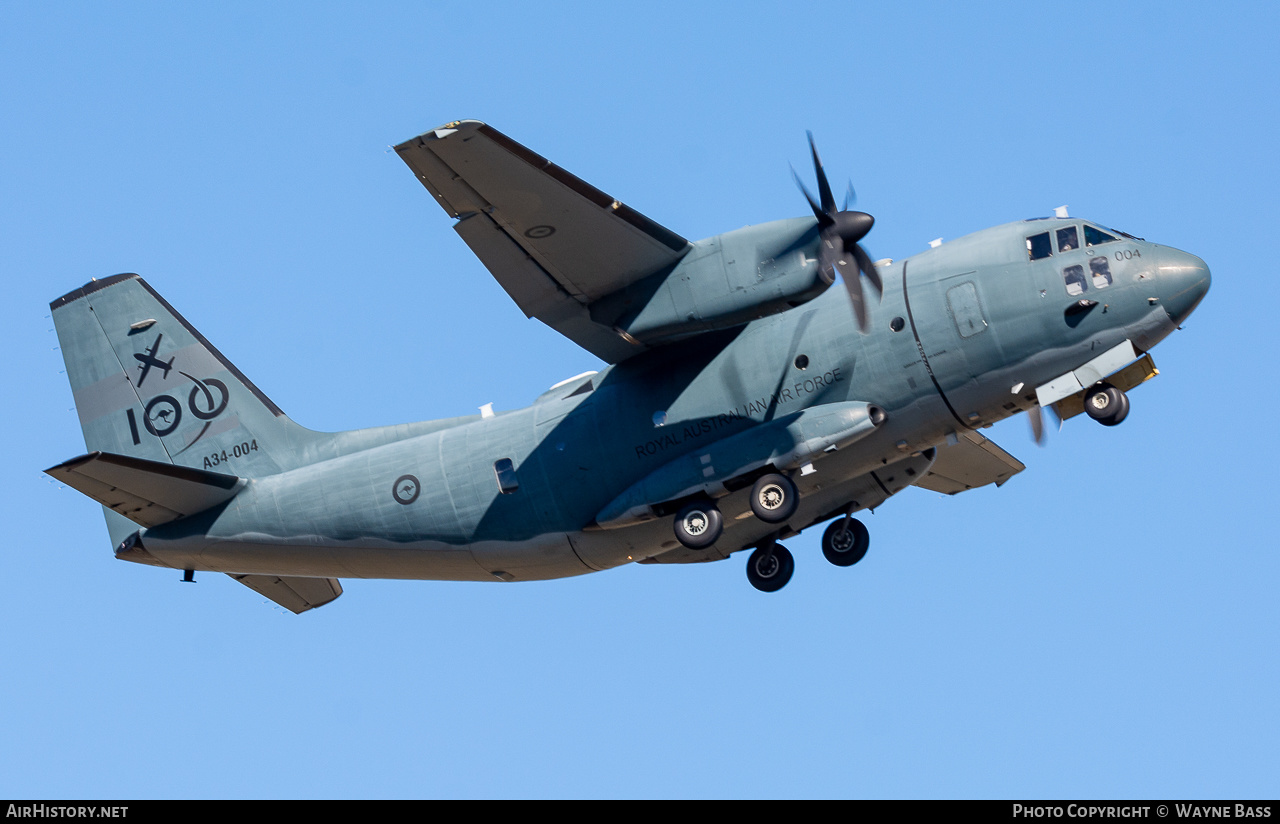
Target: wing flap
536, 293
149, 493
294, 594
972, 461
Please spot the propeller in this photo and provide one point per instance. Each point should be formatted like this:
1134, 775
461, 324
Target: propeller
840, 232
1036, 415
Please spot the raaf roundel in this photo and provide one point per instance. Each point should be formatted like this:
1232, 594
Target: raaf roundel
743, 399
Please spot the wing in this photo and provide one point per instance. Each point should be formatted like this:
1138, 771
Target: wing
972, 461
554, 242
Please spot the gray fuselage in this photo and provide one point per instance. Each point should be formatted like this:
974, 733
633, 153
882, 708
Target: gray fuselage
961, 339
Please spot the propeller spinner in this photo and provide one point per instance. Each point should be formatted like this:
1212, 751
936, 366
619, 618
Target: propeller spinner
840, 232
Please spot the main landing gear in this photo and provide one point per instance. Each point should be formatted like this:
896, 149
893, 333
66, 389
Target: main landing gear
1106, 404
844, 544
699, 525
770, 567
773, 500
845, 541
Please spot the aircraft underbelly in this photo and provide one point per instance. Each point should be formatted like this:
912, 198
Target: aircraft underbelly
548, 556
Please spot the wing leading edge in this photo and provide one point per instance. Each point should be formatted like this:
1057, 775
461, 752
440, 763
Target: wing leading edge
555, 243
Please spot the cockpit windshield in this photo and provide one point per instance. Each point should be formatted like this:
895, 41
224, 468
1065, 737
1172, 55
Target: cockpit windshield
1093, 236
1107, 229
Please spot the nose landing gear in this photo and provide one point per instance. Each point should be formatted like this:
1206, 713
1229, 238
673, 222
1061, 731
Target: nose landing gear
1106, 404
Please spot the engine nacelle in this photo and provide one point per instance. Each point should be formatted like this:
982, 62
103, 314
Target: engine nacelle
722, 282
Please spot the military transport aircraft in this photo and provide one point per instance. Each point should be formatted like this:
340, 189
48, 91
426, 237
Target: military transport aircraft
743, 401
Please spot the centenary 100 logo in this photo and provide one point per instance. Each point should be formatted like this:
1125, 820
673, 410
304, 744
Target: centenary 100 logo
163, 413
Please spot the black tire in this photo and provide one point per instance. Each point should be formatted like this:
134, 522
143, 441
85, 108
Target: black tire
1121, 412
845, 547
698, 525
1106, 404
774, 498
772, 573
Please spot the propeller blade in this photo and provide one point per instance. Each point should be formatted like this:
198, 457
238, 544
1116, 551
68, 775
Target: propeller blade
853, 285
1037, 424
827, 255
850, 197
824, 188
824, 219
839, 233
1053, 412
868, 268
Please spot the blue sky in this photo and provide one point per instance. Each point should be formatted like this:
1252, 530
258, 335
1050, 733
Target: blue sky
1104, 625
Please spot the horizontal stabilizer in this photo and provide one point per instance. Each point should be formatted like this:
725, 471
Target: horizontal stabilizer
149, 493
294, 594
972, 461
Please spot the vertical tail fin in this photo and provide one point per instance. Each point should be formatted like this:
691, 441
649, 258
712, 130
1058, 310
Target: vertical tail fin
148, 385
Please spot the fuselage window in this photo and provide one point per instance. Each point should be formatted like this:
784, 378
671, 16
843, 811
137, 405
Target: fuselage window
1038, 246
1101, 271
506, 472
1068, 239
1092, 236
1074, 276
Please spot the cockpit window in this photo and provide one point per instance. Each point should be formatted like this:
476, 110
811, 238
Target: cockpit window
1038, 246
1074, 277
1068, 239
1092, 236
1100, 268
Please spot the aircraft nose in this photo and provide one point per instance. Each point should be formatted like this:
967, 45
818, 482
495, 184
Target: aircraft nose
1184, 281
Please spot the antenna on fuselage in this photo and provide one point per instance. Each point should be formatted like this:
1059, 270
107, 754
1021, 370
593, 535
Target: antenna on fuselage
1061, 211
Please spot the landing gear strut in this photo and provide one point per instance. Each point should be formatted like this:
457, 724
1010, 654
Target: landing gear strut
845, 541
1106, 404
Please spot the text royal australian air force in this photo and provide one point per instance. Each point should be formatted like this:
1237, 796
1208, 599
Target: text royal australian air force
752, 409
